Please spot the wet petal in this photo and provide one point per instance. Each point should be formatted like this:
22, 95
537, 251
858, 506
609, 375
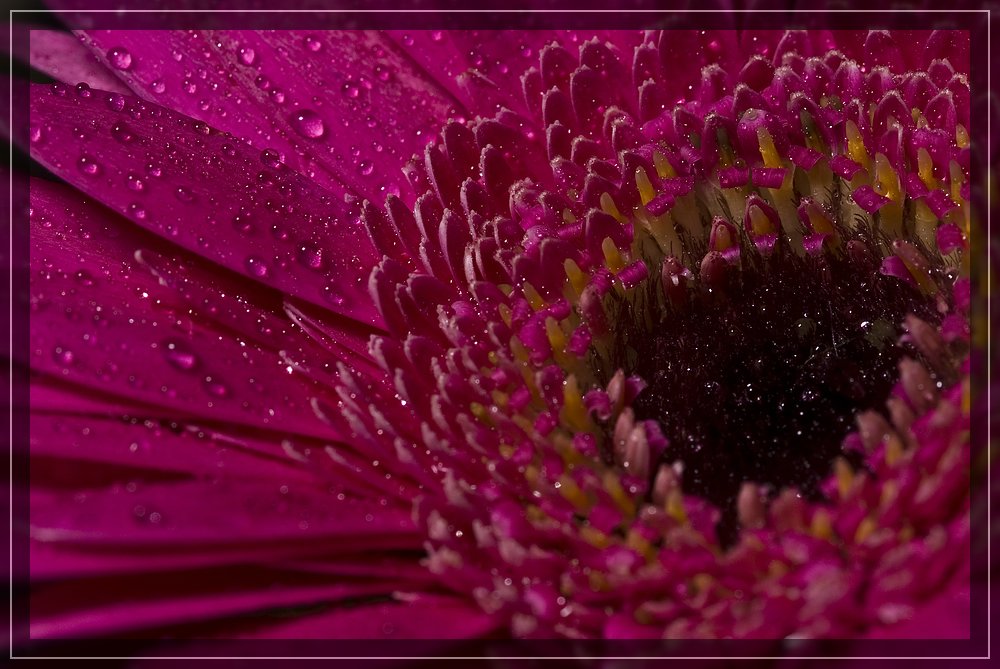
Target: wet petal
203, 514
61, 56
101, 321
179, 598
429, 617
207, 192
344, 107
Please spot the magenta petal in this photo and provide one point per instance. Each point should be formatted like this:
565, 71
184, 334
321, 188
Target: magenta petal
428, 617
147, 612
97, 321
61, 56
153, 447
317, 98
868, 199
225, 512
206, 191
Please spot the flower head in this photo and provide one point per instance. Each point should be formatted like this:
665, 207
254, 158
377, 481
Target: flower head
646, 352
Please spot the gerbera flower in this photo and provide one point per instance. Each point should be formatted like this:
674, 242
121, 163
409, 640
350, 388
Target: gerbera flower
660, 335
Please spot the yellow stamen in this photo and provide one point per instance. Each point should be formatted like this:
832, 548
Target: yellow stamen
760, 222
961, 136
572, 492
577, 279
768, 151
646, 190
925, 168
609, 207
865, 530
534, 298
574, 413
856, 145
845, 476
663, 167
613, 486
612, 256
822, 527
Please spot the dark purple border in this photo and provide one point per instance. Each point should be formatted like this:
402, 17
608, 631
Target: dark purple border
788, 17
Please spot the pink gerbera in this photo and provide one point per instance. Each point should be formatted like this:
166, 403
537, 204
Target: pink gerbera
658, 335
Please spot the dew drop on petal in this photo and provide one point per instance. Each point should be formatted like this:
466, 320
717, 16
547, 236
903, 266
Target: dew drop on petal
332, 294
308, 124
257, 267
64, 356
85, 278
134, 182
120, 58
180, 356
183, 194
88, 166
116, 102
35, 134
83, 90
137, 211
122, 133
311, 256
247, 55
158, 86
215, 387
313, 44
270, 157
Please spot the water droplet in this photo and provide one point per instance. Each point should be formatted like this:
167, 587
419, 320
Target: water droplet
351, 89
154, 170
247, 55
116, 102
311, 256
308, 124
64, 356
137, 211
215, 387
332, 294
35, 134
83, 90
158, 86
85, 278
120, 58
88, 166
258, 267
270, 157
179, 355
183, 194
122, 133
135, 183
262, 82
382, 72
366, 167
201, 128
313, 44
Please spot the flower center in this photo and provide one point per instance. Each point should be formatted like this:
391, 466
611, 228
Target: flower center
759, 378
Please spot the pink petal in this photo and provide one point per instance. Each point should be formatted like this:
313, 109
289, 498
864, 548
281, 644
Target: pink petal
150, 446
227, 512
426, 618
139, 609
61, 56
206, 191
344, 107
97, 322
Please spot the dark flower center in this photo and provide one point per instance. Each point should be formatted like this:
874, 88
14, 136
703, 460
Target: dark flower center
759, 378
